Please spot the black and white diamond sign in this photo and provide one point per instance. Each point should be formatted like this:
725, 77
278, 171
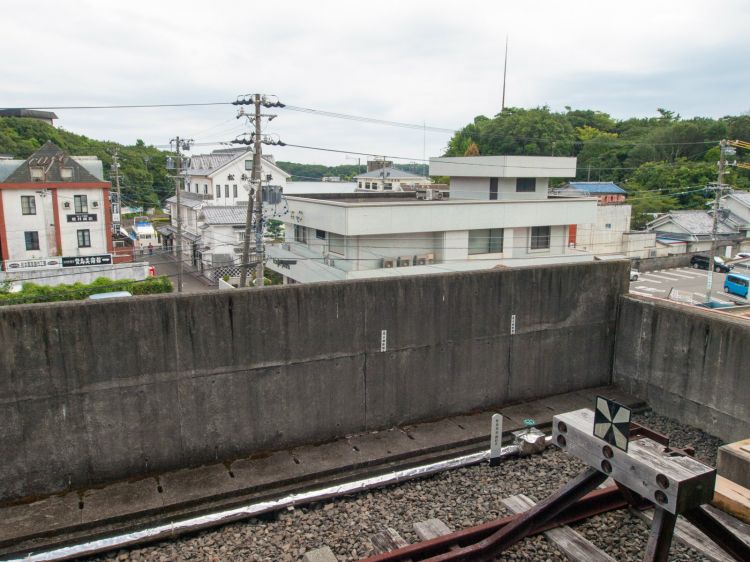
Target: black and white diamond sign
612, 422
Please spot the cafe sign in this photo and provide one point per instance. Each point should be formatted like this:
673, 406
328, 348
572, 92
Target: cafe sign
77, 261
82, 217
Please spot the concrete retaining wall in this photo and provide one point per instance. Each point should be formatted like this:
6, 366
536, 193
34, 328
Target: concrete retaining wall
96, 391
688, 364
85, 274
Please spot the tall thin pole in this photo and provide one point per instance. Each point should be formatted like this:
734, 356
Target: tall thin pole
178, 168
715, 227
246, 239
116, 166
257, 172
505, 70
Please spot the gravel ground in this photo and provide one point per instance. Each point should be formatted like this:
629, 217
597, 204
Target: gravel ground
460, 498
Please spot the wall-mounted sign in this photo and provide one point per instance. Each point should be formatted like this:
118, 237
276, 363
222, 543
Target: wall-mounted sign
82, 217
42, 263
77, 261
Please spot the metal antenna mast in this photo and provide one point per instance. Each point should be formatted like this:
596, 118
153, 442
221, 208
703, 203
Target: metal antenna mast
505, 70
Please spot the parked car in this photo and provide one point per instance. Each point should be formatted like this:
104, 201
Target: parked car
737, 285
742, 255
701, 262
634, 275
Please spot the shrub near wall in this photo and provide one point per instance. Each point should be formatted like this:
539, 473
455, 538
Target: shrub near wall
32, 293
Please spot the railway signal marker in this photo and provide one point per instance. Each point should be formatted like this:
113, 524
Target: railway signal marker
612, 422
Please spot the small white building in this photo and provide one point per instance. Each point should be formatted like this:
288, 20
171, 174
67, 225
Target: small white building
390, 179
54, 212
143, 235
499, 213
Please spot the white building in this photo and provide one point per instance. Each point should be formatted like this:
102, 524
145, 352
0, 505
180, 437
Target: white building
499, 213
220, 179
390, 179
54, 212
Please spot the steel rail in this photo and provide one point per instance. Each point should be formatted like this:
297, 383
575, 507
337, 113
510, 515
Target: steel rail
593, 503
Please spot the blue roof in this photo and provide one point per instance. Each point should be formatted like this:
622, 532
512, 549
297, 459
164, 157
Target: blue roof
598, 187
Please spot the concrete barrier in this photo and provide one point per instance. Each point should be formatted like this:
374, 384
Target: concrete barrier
689, 364
96, 391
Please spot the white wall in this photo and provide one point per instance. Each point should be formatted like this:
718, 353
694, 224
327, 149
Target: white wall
84, 274
479, 189
17, 223
605, 235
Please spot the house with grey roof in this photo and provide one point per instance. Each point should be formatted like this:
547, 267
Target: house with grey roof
216, 188
46, 116
390, 179
692, 231
736, 207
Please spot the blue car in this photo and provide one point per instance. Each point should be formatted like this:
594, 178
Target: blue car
737, 285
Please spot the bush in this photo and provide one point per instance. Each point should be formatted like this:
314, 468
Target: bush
32, 293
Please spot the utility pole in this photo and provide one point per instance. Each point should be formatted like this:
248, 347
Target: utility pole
255, 207
116, 168
257, 169
715, 227
179, 145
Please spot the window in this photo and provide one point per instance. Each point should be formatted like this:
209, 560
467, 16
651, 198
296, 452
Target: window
525, 185
486, 241
32, 240
196, 188
608, 225
234, 191
360, 185
493, 189
84, 238
28, 205
37, 173
367, 185
241, 235
226, 191
388, 186
336, 243
320, 234
540, 237
218, 191
81, 203
300, 233
66, 173
205, 189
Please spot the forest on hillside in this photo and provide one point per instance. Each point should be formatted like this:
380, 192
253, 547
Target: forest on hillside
664, 162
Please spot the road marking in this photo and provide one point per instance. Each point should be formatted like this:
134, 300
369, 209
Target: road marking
651, 289
642, 294
644, 280
692, 272
680, 275
722, 300
664, 277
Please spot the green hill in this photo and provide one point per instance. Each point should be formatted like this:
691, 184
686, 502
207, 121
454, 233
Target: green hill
144, 177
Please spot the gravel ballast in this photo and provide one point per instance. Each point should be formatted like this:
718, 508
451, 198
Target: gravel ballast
460, 498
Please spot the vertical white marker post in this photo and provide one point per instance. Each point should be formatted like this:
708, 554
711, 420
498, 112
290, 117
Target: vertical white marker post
496, 439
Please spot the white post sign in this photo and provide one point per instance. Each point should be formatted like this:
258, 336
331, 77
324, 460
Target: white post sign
496, 438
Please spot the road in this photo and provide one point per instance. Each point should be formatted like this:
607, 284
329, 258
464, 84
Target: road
685, 280
165, 264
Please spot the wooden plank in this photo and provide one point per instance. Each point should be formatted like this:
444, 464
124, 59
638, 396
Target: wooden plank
742, 530
570, 542
387, 540
732, 498
431, 529
690, 536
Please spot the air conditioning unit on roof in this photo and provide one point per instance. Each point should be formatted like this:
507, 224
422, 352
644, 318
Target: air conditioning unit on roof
389, 262
404, 261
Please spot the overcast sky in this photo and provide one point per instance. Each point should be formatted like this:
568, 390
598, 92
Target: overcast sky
435, 62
